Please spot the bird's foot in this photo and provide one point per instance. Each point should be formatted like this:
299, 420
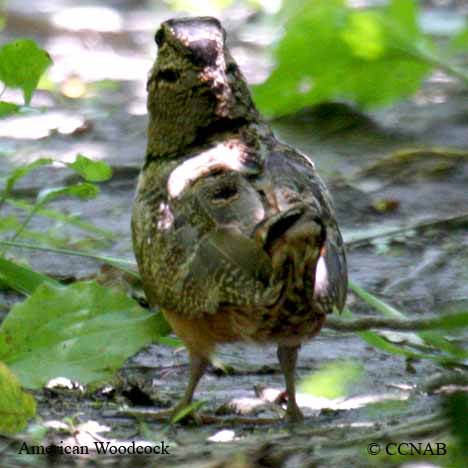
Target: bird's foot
294, 414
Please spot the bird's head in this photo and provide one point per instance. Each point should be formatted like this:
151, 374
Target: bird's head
195, 87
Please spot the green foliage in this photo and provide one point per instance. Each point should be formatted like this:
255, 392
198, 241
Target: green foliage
22, 279
422, 345
19, 173
184, 412
22, 63
7, 223
92, 171
83, 332
329, 51
460, 41
456, 408
16, 406
82, 190
333, 380
7, 108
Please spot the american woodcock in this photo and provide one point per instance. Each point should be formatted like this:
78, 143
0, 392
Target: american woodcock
234, 232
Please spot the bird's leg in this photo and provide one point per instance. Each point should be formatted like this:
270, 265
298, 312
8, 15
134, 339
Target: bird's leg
287, 357
198, 365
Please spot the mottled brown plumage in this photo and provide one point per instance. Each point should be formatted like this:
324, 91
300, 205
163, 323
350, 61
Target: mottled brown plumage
234, 232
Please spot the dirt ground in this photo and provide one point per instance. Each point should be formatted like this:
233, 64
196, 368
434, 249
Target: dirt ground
422, 271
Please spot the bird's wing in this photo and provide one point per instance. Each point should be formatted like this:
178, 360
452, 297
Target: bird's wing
226, 269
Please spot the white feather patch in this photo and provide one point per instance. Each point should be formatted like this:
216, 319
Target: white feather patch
321, 276
224, 156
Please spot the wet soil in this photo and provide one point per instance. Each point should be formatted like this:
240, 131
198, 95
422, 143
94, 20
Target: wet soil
422, 271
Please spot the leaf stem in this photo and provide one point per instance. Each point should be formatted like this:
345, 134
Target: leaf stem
22, 227
437, 62
394, 232
117, 262
55, 215
386, 323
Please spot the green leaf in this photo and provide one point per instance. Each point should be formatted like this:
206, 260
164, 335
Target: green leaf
460, 41
453, 320
16, 406
434, 354
169, 340
381, 343
331, 52
364, 35
92, 171
22, 63
375, 302
8, 108
20, 172
82, 190
404, 13
164, 328
429, 337
333, 380
22, 279
83, 332
189, 409
8, 223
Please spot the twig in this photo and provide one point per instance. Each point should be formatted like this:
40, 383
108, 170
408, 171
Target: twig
202, 418
395, 232
369, 323
438, 381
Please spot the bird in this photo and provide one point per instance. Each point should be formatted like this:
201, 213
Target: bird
234, 231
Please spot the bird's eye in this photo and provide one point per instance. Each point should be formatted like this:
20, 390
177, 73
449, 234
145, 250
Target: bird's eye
224, 193
168, 75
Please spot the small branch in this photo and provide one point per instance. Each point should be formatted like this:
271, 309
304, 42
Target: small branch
369, 323
395, 232
435, 383
202, 418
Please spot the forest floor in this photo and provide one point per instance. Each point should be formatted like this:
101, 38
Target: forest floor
421, 196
